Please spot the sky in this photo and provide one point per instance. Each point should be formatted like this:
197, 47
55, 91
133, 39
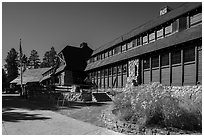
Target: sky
42, 25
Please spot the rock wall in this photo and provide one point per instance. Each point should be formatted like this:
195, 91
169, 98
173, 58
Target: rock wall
133, 72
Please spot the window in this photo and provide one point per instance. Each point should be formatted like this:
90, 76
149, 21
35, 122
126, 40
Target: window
189, 54
145, 40
195, 19
95, 58
134, 43
117, 49
139, 42
102, 73
106, 72
114, 70
182, 23
146, 63
176, 57
106, 54
124, 69
98, 57
129, 45
98, 73
155, 61
110, 53
175, 26
151, 36
123, 47
168, 29
102, 56
165, 59
110, 71
119, 69
160, 33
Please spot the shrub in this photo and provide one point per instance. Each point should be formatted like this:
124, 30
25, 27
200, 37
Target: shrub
155, 104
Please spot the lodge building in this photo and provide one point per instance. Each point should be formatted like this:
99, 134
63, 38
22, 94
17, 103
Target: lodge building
167, 49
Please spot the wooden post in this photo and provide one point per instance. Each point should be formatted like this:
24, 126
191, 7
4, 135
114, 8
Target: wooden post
196, 63
170, 68
182, 68
160, 76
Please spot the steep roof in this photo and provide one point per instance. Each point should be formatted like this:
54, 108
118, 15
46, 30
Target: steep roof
30, 75
149, 25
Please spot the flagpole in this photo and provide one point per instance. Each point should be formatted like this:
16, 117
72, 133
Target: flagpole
21, 68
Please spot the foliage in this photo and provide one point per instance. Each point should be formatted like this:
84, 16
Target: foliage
12, 65
153, 104
4, 79
49, 59
34, 60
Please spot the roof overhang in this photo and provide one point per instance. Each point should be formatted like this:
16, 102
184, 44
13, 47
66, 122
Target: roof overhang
174, 39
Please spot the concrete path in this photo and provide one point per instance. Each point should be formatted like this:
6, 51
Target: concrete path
22, 121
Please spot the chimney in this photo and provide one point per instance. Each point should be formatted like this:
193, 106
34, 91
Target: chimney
164, 10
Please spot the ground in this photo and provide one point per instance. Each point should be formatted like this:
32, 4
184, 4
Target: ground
20, 116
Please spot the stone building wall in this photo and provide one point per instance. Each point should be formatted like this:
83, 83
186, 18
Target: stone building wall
133, 72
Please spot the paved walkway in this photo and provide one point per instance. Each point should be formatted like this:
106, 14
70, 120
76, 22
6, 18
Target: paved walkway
23, 121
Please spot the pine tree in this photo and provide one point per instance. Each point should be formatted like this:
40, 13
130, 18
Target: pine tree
12, 64
4, 79
50, 58
34, 60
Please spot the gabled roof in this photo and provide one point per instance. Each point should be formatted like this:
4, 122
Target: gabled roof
174, 39
30, 75
149, 25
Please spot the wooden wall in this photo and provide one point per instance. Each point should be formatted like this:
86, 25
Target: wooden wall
184, 71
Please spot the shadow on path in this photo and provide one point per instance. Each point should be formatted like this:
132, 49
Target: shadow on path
17, 116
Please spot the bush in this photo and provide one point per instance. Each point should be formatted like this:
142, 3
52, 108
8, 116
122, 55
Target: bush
152, 104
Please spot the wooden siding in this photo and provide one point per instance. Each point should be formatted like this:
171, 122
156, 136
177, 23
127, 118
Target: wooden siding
124, 80
189, 74
176, 76
146, 77
200, 66
119, 81
155, 75
110, 81
165, 76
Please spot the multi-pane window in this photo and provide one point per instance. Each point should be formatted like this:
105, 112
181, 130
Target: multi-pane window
155, 61
124, 47
164, 59
106, 54
106, 72
114, 70
189, 54
117, 50
196, 18
160, 33
110, 53
102, 72
139, 42
146, 63
168, 29
119, 69
110, 71
151, 36
145, 39
124, 68
99, 73
134, 43
175, 26
176, 57
129, 45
